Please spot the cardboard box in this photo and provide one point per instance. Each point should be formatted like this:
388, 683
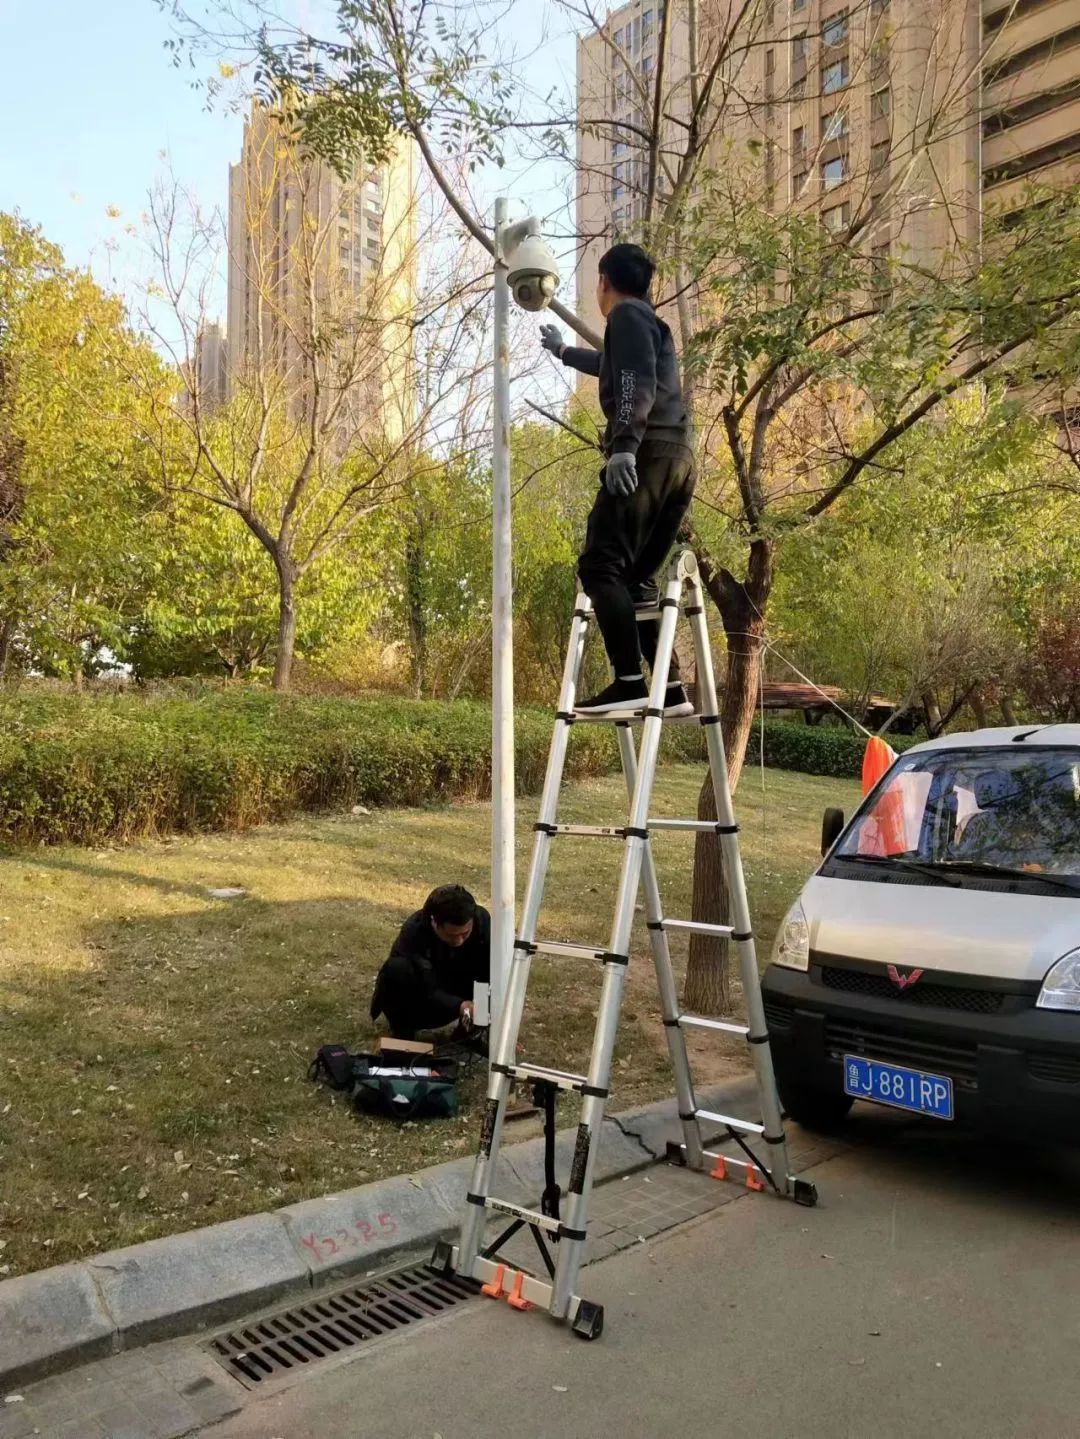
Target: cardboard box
412, 1048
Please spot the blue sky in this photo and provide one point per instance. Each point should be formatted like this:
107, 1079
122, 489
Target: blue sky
94, 98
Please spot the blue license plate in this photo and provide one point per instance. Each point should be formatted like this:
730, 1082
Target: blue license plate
902, 1088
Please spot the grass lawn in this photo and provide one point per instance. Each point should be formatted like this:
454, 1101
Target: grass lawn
154, 1040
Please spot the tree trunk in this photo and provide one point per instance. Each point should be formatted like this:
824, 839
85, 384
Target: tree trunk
742, 607
934, 722
286, 635
7, 639
978, 708
417, 613
1008, 711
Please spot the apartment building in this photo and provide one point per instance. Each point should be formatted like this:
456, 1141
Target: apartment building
320, 265
836, 97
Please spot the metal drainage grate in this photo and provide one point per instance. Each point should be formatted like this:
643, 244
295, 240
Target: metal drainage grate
323, 1327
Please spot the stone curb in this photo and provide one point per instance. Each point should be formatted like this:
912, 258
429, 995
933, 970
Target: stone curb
57, 1318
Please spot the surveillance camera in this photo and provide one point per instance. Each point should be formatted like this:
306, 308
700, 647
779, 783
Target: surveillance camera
534, 275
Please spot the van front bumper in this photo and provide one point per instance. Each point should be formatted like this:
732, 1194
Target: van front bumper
1010, 1063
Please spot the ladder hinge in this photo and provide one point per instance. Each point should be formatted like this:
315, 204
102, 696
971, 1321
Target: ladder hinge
668, 1024
567, 716
526, 945
652, 712
654, 924
694, 610
757, 1039
720, 828
668, 604
632, 832
477, 1199
709, 719
611, 958
745, 936
565, 1233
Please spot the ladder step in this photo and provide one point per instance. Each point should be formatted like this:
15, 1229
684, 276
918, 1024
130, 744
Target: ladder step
518, 1211
568, 951
746, 1125
693, 926
591, 831
695, 1021
562, 1077
632, 717
699, 826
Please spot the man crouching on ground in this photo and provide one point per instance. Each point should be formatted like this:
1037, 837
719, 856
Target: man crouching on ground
440, 953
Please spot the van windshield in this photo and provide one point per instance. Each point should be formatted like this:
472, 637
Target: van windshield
982, 810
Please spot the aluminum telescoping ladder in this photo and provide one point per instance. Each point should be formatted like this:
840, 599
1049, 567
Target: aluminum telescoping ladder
471, 1257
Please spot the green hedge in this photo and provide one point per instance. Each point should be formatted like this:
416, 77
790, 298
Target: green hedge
815, 749
83, 769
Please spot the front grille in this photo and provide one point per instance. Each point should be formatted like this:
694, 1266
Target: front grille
777, 1014
1059, 1068
937, 1055
320, 1328
940, 996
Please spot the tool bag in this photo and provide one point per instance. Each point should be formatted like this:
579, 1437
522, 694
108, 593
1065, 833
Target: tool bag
426, 1089
404, 1095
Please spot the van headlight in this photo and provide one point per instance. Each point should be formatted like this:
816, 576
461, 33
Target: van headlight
1061, 987
791, 947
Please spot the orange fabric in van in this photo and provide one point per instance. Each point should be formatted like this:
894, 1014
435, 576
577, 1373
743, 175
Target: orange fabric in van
884, 831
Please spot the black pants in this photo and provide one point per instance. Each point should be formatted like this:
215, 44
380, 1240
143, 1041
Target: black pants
626, 541
408, 1007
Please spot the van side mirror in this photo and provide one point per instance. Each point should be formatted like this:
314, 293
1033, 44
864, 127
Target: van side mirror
832, 826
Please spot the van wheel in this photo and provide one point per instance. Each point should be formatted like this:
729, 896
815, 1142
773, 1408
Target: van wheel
815, 1108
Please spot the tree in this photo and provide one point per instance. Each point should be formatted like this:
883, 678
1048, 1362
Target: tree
323, 426
1050, 674
76, 491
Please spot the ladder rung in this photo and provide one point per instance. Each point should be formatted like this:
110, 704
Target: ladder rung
632, 717
701, 826
747, 1125
569, 951
695, 1021
518, 1211
562, 1077
592, 831
694, 926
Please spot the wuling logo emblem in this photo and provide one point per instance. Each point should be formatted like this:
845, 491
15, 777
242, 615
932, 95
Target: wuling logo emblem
902, 981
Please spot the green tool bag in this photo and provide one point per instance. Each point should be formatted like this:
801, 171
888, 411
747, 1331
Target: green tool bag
401, 1095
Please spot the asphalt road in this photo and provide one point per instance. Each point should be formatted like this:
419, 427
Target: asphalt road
935, 1290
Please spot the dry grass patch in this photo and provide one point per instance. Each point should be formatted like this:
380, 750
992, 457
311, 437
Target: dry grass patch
154, 1040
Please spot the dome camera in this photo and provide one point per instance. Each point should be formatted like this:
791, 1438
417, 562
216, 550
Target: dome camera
533, 273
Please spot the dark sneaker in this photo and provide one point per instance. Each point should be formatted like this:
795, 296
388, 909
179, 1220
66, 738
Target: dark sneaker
676, 702
619, 695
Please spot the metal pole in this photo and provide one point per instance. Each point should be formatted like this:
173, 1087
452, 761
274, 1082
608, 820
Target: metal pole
502, 645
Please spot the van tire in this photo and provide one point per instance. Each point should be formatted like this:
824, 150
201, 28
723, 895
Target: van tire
815, 1108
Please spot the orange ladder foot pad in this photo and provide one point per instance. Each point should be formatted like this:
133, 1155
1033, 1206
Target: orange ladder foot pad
720, 1171
514, 1298
752, 1180
494, 1290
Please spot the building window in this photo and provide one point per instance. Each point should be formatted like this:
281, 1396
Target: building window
798, 139
879, 156
646, 64
798, 4
834, 30
770, 62
798, 48
834, 77
834, 126
770, 14
798, 88
880, 104
837, 218
833, 172
798, 184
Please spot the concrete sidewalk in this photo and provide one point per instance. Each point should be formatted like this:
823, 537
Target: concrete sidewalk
933, 1291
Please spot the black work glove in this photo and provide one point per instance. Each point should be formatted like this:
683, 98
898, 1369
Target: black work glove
620, 475
551, 339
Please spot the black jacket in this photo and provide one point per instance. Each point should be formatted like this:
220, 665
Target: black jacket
441, 973
640, 390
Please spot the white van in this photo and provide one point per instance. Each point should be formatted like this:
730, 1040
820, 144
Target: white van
932, 962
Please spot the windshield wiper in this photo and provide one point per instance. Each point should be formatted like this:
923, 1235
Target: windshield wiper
900, 861
1001, 871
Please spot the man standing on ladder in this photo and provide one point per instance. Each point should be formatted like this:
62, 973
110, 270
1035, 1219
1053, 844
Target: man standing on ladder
647, 481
